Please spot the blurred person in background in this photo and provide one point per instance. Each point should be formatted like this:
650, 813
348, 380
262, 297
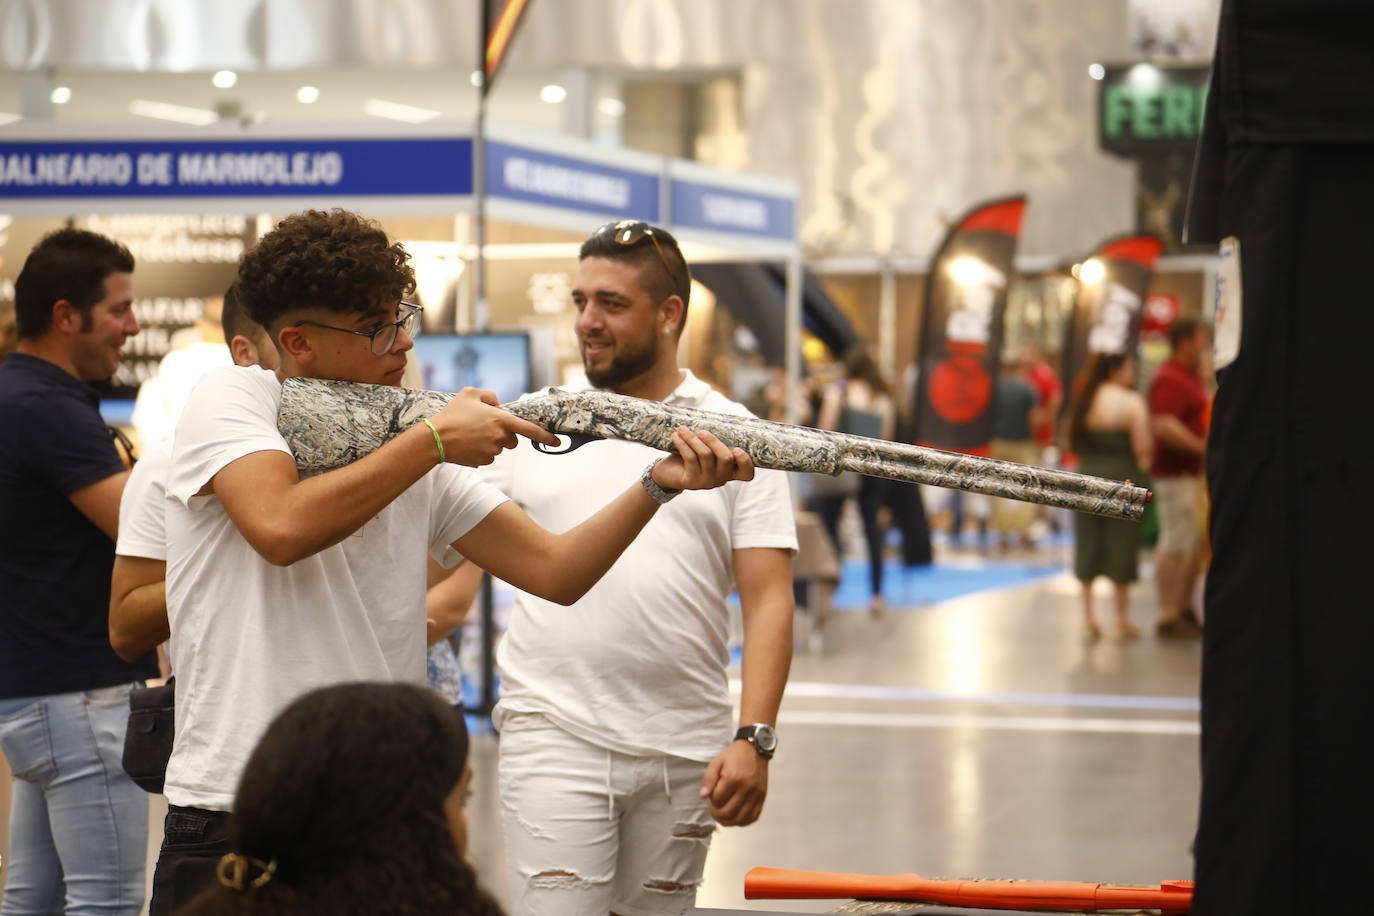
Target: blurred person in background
195, 351
352, 803
861, 404
1049, 394
1178, 404
78, 825
1014, 406
1109, 429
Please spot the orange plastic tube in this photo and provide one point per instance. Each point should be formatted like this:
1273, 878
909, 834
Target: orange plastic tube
1171, 897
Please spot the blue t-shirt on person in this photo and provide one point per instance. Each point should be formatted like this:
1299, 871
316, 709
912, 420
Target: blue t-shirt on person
55, 563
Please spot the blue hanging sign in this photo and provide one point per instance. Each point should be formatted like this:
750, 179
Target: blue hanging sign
534, 176
726, 209
236, 168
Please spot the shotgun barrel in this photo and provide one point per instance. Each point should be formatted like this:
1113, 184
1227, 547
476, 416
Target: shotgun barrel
329, 424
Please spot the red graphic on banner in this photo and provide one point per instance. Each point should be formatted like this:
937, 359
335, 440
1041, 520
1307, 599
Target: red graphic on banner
1004, 217
1161, 310
960, 389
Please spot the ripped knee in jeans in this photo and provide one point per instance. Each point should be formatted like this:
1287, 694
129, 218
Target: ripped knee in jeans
558, 879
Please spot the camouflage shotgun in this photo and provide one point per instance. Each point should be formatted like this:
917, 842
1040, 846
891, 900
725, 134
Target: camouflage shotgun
329, 424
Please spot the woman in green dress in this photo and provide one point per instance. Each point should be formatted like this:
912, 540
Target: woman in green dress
1109, 429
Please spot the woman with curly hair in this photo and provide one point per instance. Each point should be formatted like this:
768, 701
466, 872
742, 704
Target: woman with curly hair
352, 803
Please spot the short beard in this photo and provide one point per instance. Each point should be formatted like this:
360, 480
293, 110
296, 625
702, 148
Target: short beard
625, 367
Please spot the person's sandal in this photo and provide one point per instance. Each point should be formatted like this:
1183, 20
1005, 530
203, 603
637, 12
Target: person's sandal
1126, 632
1177, 627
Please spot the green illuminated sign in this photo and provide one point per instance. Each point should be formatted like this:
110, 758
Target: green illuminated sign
1146, 109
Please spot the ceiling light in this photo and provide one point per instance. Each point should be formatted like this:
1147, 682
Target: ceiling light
476, 78
611, 107
1097, 71
553, 93
1145, 76
165, 111
968, 271
225, 79
308, 95
1092, 271
396, 111
61, 95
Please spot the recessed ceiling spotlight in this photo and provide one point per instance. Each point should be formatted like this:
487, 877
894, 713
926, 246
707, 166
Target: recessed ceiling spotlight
61, 95
308, 95
476, 78
224, 79
553, 93
1097, 71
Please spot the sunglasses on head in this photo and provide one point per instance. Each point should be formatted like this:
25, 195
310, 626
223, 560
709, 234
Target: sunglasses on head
629, 232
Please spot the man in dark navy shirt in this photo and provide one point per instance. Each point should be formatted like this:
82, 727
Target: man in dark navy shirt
78, 825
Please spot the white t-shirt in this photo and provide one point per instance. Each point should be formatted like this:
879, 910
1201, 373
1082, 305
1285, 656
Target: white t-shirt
142, 514
638, 665
162, 397
249, 637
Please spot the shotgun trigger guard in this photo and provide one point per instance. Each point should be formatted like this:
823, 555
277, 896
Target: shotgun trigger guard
567, 442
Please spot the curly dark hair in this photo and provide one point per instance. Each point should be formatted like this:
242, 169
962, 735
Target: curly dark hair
345, 793
69, 264
337, 261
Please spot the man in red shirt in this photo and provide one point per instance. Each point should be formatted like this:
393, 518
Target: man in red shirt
1178, 404
1047, 388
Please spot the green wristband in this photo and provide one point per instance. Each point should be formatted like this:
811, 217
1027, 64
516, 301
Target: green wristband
443, 456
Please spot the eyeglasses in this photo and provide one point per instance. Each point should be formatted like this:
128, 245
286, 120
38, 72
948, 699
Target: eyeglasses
383, 337
629, 232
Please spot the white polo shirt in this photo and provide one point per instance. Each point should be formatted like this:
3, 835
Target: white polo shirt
638, 665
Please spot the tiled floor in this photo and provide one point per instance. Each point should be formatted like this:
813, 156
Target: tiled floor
976, 737
973, 737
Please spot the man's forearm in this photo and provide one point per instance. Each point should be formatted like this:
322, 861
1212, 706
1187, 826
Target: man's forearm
557, 567
138, 621
1172, 432
767, 660
289, 520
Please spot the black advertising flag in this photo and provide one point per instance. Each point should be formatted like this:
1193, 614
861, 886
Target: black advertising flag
1107, 312
500, 19
961, 328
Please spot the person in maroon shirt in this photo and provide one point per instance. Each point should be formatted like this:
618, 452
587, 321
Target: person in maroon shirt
1178, 404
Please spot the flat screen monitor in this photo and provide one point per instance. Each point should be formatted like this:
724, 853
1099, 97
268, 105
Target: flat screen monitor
498, 362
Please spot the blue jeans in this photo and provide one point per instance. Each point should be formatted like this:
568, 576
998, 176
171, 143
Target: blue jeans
78, 825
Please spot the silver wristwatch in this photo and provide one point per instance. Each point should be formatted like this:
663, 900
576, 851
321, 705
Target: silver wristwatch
763, 737
657, 493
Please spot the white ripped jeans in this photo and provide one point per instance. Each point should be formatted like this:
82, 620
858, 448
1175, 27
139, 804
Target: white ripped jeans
590, 831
